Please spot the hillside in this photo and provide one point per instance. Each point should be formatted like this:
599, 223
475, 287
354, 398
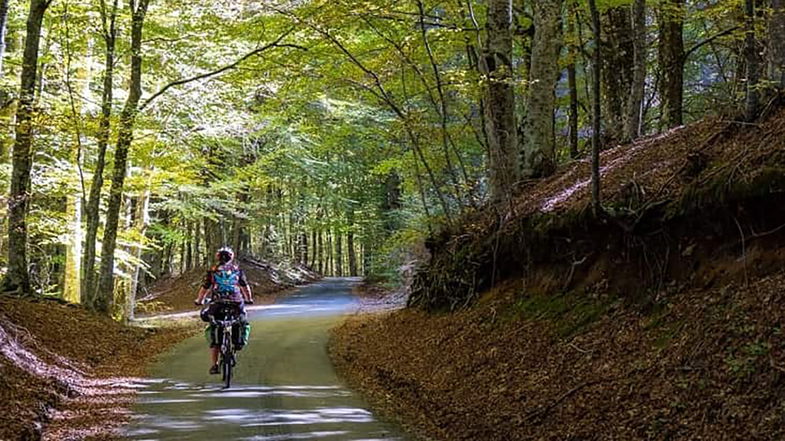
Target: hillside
67, 373
661, 319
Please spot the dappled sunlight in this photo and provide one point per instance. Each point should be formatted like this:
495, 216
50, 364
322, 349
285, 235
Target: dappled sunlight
285, 386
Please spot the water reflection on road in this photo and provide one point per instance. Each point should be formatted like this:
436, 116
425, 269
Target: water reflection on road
286, 388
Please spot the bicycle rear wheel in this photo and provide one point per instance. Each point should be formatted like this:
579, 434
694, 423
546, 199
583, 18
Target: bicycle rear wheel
227, 362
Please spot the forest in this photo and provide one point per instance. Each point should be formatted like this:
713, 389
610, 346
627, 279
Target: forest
443, 149
139, 135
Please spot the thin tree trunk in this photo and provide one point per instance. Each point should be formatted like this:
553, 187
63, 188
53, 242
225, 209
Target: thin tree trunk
752, 101
338, 254
105, 295
141, 223
17, 278
638, 87
777, 44
572, 82
3, 32
499, 100
596, 109
92, 215
350, 245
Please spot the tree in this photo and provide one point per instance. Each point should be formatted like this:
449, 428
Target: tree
105, 295
633, 121
539, 152
109, 37
499, 102
671, 61
777, 44
17, 278
751, 63
596, 108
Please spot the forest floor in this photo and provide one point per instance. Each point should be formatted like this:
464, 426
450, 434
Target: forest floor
709, 364
665, 320
67, 373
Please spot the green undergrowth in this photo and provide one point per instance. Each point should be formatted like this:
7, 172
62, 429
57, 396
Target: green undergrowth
569, 313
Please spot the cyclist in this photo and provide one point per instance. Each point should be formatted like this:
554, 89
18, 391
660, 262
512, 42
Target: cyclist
227, 286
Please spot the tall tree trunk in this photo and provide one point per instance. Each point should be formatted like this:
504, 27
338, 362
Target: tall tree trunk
17, 278
634, 118
499, 101
539, 151
752, 101
92, 214
3, 32
618, 60
671, 59
105, 295
320, 261
350, 245
329, 253
338, 254
72, 283
141, 222
596, 108
314, 248
777, 44
572, 81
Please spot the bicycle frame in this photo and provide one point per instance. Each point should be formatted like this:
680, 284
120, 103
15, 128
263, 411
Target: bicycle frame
228, 359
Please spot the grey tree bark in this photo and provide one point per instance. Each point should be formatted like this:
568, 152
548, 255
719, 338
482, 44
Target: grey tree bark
751, 63
499, 102
92, 215
596, 108
17, 278
617, 57
671, 60
3, 31
632, 129
572, 82
539, 147
105, 295
776, 67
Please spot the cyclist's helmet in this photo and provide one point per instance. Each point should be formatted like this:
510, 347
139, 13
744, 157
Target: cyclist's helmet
224, 255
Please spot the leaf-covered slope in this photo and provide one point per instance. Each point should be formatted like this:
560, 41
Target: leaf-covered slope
650, 189
705, 365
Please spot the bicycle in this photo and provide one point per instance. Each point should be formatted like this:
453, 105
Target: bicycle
228, 352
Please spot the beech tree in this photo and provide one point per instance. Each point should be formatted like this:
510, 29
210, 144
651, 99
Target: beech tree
539, 150
499, 101
17, 277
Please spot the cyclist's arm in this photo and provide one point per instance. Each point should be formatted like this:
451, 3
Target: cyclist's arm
202, 294
245, 288
205, 289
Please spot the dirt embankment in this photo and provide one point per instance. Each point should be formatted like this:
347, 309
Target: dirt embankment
660, 320
66, 373
706, 365
267, 280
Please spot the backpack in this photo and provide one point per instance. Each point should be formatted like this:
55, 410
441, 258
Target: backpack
225, 280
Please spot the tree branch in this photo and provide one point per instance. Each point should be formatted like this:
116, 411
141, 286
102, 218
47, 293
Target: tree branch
699, 45
274, 44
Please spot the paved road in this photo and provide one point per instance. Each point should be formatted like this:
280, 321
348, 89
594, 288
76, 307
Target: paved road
285, 387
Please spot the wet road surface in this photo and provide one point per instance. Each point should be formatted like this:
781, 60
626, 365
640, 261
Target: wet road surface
285, 386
